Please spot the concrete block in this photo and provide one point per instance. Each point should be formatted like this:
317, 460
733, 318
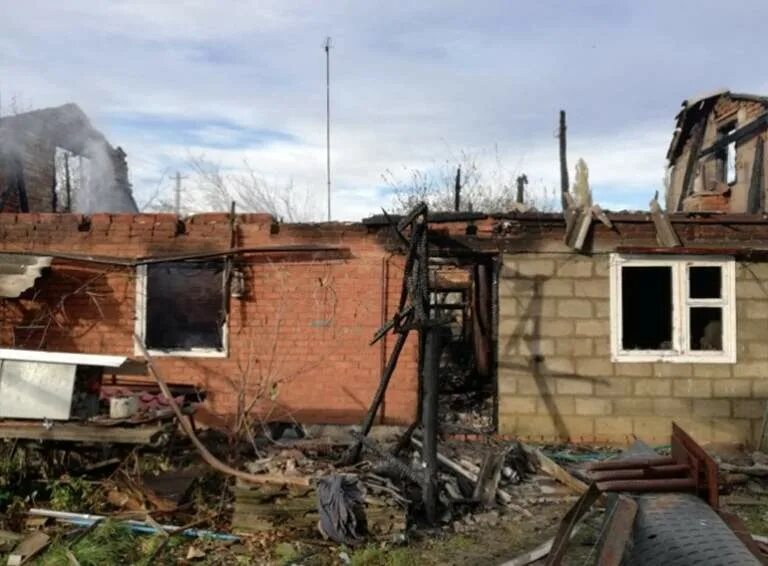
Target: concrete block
594, 367
655, 387
712, 370
557, 366
516, 405
593, 289
760, 387
614, 387
756, 310
507, 385
538, 347
602, 308
556, 288
593, 406
756, 369
633, 370
540, 427
555, 328
575, 267
732, 388
555, 405
662, 369
592, 328
574, 386
614, 428
712, 408
602, 346
578, 428
575, 308
672, 407
654, 430
732, 430
573, 346
633, 406
694, 388
535, 266
748, 408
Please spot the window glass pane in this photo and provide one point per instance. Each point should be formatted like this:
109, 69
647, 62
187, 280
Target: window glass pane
706, 328
646, 308
184, 305
704, 282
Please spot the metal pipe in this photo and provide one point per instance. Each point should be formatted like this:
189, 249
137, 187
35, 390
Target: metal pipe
656, 485
631, 463
670, 471
86, 520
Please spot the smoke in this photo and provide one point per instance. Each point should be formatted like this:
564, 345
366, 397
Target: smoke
82, 158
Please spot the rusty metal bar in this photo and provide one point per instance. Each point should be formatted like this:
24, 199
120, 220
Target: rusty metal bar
668, 471
618, 532
704, 468
631, 463
658, 485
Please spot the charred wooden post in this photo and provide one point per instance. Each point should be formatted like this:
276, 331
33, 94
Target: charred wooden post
431, 385
522, 180
563, 162
457, 190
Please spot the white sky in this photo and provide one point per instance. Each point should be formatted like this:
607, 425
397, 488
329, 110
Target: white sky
413, 85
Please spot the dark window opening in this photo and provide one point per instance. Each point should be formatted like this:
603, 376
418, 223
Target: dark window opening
704, 282
646, 303
706, 330
185, 306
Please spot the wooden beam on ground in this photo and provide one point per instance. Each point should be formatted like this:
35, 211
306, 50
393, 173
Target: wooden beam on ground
552, 468
72, 432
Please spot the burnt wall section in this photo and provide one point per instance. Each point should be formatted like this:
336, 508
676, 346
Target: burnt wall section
720, 180
297, 335
29, 143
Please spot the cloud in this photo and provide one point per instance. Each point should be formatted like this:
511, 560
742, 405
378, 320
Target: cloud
411, 85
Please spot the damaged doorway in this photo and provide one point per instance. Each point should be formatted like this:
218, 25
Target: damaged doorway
464, 291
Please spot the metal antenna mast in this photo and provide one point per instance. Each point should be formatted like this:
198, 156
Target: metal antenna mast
327, 48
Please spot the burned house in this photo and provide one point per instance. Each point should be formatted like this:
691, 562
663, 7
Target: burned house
53, 160
585, 326
717, 157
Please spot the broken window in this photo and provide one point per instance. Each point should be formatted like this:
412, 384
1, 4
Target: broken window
182, 307
727, 155
672, 309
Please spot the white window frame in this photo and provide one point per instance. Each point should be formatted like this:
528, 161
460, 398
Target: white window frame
681, 304
140, 326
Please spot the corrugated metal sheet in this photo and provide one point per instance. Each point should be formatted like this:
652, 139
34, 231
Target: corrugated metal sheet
62, 358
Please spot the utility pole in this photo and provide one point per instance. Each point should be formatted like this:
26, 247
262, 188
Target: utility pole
328, 119
563, 162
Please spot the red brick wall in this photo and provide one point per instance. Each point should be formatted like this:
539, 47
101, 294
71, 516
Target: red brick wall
304, 323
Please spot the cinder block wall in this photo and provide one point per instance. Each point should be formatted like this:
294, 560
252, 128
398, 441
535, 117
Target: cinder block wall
557, 381
304, 323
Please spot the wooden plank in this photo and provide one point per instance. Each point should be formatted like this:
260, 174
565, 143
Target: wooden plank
665, 233
488, 477
555, 470
756, 194
71, 432
29, 547
697, 137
